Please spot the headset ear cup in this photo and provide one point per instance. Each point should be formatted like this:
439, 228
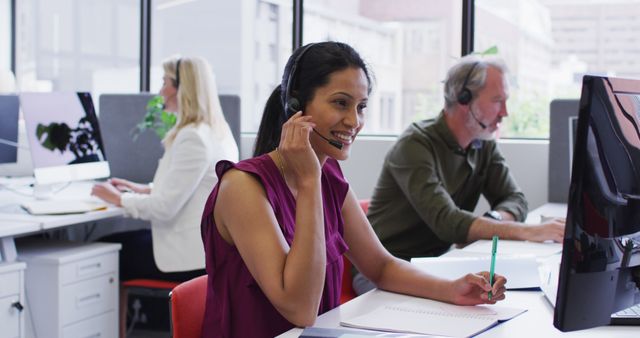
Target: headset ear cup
464, 97
293, 105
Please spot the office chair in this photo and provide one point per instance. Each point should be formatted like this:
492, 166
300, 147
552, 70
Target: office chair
347, 293
140, 288
187, 307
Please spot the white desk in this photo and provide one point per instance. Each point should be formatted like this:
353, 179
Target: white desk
15, 222
51, 304
547, 210
536, 322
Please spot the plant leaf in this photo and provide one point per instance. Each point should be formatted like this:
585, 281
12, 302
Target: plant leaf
493, 50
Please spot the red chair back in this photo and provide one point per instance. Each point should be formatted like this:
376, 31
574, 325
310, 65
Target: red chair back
364, 204
347, 293
187, 308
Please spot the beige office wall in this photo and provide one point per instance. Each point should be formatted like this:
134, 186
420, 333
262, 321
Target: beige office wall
528, 160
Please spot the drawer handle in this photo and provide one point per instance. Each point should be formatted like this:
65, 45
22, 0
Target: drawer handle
88, 299
89, 267
95, 335
18, 306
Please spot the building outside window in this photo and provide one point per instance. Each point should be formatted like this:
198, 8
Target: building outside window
5, 35
67, 45
247, 43
409, 45
550, 44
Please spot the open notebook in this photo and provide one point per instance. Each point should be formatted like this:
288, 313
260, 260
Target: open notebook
424, 316
61, 207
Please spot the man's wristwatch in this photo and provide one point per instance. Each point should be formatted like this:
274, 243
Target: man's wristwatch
493, 214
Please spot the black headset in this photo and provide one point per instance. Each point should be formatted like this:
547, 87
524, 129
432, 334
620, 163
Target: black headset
292, 104
465, 95
178, 72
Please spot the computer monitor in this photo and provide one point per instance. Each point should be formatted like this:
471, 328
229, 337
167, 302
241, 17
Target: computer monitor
601, 249
9, 108
64, 137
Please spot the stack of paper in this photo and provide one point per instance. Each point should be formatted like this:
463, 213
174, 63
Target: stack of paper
510, 248
521, 271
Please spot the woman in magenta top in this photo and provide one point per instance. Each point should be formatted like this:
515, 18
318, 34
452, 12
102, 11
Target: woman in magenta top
275, 227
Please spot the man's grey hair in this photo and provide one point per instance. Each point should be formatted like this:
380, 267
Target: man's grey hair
473, 66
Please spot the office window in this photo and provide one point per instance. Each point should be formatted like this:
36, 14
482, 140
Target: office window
67, 45
550, 44
5, 37
409, 45
247, 43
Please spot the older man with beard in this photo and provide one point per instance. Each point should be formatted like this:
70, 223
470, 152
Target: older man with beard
434, 175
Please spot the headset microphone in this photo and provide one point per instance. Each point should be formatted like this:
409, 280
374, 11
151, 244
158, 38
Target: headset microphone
334, 143
484, 126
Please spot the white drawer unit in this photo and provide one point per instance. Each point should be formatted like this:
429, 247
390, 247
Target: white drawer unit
12, 300
71, 287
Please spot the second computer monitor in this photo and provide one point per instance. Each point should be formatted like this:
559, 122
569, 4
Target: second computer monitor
9, 108
64, 137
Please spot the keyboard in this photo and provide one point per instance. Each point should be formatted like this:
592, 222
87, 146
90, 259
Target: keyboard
630, 316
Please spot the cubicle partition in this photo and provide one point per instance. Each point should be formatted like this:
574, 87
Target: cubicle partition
231, 109
563, 112
129, 158
137, 159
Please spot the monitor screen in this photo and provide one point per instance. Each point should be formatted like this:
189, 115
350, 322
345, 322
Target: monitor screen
64, 137
601, 250
9, 108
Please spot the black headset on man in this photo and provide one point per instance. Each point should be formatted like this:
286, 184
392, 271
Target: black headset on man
465, 95
292, 105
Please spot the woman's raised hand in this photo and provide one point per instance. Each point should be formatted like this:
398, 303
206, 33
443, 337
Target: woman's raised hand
295, 149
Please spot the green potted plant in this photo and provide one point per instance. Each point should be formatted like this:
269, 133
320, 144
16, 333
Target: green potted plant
156, 119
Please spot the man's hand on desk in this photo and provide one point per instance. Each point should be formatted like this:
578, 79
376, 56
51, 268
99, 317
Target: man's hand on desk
551, 229
126, 185
107, 192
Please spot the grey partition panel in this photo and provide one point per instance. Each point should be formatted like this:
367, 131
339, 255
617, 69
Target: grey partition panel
137, 160
231, 109
560, 145
131, 159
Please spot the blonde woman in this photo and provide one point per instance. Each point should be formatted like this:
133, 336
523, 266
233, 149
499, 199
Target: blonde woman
172, 249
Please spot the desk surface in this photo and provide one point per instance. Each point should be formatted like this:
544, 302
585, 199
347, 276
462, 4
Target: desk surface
14, 221
537, 321
11, 212
547, 210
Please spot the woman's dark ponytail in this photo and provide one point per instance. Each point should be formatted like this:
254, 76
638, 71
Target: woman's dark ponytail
270, 129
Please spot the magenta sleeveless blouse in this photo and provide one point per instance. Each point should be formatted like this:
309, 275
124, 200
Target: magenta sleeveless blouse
235, 304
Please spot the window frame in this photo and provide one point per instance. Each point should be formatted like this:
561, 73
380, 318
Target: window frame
467, 38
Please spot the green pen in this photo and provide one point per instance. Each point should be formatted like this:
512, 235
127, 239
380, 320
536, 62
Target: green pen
494, 249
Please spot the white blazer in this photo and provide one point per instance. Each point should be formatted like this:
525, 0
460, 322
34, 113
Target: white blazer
182, 183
